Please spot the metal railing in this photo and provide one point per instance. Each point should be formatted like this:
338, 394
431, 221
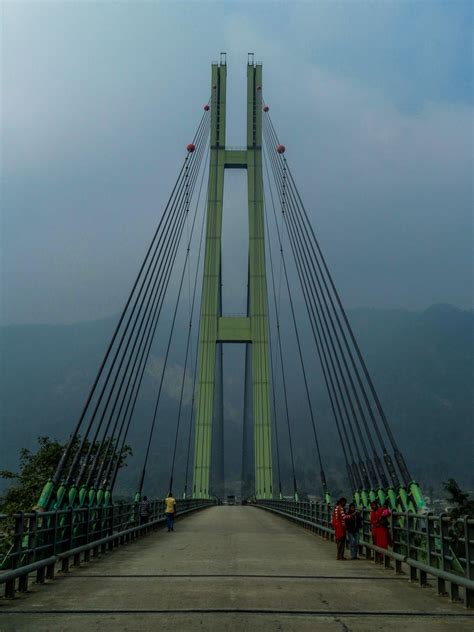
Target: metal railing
427, 544
38, 541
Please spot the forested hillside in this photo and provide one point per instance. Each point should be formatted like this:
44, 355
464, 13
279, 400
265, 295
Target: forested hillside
422, 365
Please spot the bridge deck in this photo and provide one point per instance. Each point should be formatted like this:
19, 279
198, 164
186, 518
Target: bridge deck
231, 568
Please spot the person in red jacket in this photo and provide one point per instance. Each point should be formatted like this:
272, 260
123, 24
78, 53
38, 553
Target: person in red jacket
374, 506
380, 527
339, 523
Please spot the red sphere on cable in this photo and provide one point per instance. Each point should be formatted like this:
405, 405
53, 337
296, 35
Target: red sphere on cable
206, 107
191, 148
266, 108
281, 149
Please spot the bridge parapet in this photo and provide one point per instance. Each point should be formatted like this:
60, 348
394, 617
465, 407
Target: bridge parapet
39, 540
426, 544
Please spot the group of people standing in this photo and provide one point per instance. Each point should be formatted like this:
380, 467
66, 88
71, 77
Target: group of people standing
348, 523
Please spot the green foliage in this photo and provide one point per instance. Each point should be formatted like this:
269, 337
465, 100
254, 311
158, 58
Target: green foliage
460, 505
35, 469
421, 363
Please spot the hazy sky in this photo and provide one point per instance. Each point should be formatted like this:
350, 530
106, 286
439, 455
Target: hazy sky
374, 101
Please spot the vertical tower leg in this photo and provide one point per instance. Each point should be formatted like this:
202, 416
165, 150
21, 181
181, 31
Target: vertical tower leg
210, 300
258, 288
248, 459
217, 448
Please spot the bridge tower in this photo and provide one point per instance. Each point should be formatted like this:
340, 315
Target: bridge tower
216, 328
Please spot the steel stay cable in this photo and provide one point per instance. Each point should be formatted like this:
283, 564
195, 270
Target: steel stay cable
286, 406
168, 211
313, 423
145, 349
276, 307
135, 399
189, 302
140, 336
191, 313
277, 442
398, 456
168, 250
155, 293
278, 311
320, 295
142, 364
67, 451
194, 368
135, 392
381, 473
334, 400
380, 470
188, 453
166, 356
195, 355
331, 358
387, 458
320, 318
191, 412
321, 352
339, 375
130, 415
99, 401
272, 370
353, 339
153, 308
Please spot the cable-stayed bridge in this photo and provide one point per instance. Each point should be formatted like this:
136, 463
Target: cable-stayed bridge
76, 519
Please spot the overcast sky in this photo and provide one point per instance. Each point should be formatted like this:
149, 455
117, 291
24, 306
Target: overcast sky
374, 102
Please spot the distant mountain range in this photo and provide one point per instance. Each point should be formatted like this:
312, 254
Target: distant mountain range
422, 364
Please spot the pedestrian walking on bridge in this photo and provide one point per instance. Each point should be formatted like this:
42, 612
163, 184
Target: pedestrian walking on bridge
170, 511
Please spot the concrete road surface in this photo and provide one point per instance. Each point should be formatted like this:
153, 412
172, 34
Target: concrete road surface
231, 568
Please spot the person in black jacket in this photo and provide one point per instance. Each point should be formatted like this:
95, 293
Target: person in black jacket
353, 526
144, 510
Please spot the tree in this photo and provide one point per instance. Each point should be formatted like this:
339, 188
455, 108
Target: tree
35, 469
460, 504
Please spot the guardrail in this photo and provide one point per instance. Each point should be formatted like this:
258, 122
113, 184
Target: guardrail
41, 540
428, 544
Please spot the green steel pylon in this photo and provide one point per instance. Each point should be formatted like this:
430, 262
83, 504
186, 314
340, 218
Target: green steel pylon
216, 329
